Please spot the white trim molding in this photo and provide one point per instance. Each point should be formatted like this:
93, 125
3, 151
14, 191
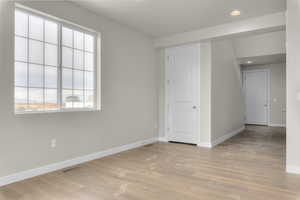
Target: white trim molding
277, 125
204, 145
292, 169
221, 139
69, 163
227, 136
163, 139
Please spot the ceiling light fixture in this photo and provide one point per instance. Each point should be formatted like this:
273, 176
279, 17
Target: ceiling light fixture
235, 13
249, 62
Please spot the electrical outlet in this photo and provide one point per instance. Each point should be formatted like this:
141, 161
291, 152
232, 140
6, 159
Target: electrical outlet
53, 143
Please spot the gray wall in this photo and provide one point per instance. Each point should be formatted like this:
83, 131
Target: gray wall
160, 61
206, 90
227, 102
260, 44
277, 91
293, 86
129, 97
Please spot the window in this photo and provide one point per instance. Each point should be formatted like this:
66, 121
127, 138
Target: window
55, 65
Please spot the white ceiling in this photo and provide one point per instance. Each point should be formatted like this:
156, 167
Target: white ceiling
159, 18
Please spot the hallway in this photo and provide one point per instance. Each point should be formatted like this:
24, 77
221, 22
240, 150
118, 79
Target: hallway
257, 143
250, 166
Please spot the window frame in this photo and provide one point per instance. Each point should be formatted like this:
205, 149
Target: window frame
97, 61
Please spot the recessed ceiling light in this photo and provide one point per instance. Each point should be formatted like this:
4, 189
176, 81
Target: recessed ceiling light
235, 13
249, 62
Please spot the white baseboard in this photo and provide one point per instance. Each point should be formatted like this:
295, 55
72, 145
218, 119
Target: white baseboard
205, 144
69, 163
293, 169
163, 139
277, 125
226, 137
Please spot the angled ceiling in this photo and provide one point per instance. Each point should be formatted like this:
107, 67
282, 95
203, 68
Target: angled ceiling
263, 60
159, 18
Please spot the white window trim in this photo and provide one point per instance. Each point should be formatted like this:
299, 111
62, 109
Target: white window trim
97, 62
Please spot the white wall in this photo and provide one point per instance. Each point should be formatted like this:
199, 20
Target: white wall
277, 91
293, 86
129, 97
260, 44
227, 102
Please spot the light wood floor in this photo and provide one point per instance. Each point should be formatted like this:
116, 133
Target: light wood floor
248, 166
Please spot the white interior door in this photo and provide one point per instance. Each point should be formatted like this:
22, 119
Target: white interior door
256, 96
183, 93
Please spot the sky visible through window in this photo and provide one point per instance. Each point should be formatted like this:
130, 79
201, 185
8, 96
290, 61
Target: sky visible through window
52, 74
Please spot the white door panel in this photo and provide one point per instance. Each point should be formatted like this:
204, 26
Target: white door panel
256, 96
183, 89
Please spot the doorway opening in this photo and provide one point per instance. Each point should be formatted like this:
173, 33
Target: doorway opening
264, 86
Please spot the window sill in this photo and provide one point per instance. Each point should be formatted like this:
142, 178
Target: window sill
58, 111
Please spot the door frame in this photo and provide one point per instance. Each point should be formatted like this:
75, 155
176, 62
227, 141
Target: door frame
167, 94
268, 72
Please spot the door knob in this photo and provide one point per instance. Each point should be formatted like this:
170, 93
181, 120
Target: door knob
194, 107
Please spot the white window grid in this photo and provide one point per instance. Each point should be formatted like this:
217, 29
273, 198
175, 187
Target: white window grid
59, 67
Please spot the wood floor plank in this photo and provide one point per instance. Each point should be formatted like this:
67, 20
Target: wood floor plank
250, 166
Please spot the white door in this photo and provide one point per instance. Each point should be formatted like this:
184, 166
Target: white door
256, 96
183, 93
